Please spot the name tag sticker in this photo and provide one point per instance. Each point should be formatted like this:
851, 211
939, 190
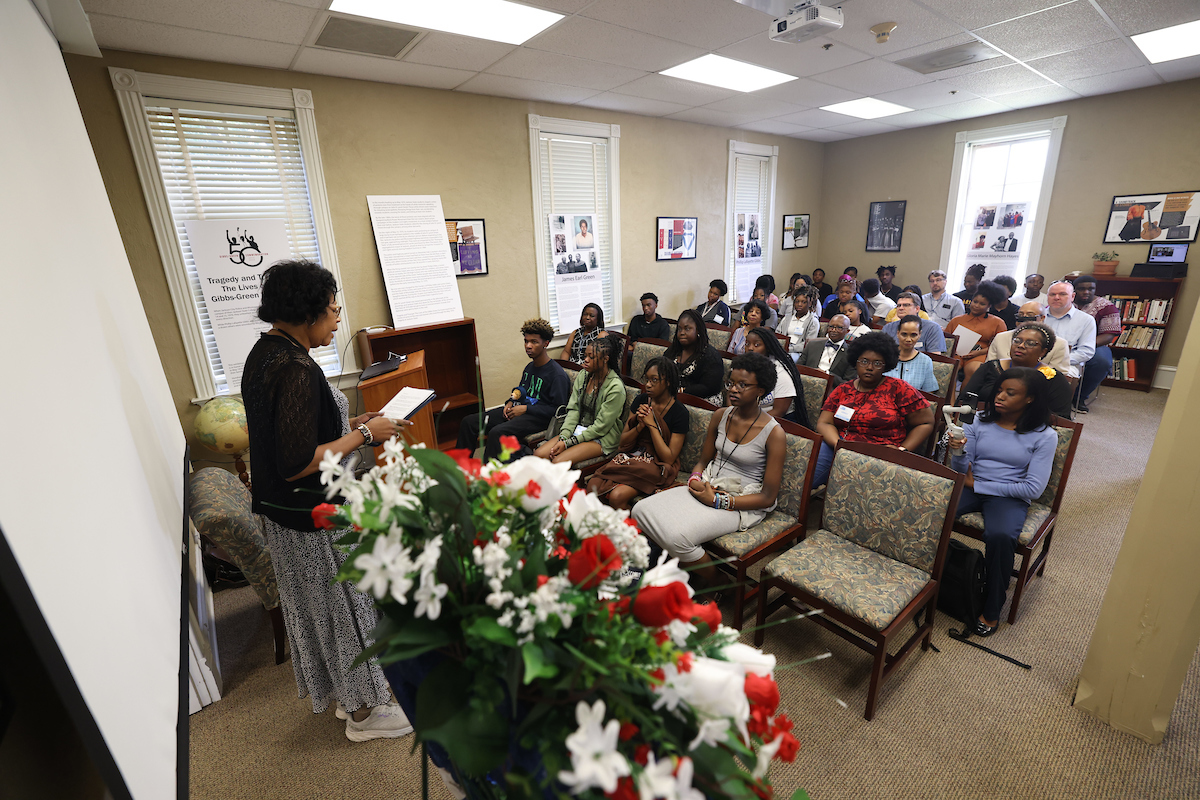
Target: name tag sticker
945, 305
580, 429
844, 413
720, 320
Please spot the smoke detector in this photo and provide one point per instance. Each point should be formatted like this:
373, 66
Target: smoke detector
882, 31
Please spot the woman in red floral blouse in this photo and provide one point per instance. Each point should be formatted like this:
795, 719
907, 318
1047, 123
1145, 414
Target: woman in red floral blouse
872, 408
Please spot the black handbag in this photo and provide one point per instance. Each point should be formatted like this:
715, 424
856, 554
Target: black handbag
963, 583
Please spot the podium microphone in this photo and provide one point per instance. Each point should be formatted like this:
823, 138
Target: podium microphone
438, 421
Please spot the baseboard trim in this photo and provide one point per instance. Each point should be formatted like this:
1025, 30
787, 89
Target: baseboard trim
1164, 377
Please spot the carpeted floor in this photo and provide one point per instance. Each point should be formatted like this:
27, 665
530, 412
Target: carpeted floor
955, 724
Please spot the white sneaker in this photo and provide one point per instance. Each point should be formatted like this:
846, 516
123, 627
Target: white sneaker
384, 722
340, 712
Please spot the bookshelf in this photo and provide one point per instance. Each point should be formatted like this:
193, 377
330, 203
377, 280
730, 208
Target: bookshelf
1147, 311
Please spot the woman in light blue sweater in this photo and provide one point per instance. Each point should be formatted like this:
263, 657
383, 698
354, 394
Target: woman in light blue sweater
1009, 453
914, 368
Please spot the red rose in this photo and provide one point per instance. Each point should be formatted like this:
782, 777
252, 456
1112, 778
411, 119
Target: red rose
533, 489
618, 606
321, 515
469, 465
656, 606
625, 790
594, 561
641, 754
707, 613
762, 692
764, 790
658, 676
628, 731
560, 552
781, 723
759, 723
661, 638
543, 580
499, 478
788, 748
510, 444
684, 662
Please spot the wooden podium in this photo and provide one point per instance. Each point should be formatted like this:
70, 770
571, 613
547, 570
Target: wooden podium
377, 391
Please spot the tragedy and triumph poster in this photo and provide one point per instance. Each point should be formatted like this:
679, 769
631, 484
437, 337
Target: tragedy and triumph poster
1171, 217
410, 234
747, 252
231, 256
468, 246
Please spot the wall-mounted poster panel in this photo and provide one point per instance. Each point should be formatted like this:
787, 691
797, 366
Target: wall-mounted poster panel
1170, 217
676, 238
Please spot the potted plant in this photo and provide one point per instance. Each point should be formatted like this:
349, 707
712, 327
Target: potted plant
1105, 264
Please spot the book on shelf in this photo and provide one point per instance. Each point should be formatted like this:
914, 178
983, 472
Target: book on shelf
1124, 369
1141, 338
1142, 309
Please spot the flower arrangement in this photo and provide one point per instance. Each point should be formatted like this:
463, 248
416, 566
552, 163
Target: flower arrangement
563, 663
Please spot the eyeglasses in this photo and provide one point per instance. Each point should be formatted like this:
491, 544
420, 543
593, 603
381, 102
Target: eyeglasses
866, 362
741, 386
1026, 318
1023, 343
650, 380
833, 327
337, 310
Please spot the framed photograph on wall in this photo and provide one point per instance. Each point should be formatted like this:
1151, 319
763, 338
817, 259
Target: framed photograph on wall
885, 226
1167, 217
468, 246
795, 231
675, 237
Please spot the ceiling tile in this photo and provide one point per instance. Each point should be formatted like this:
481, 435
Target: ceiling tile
457, 52
1095, 59
825, 136
942, 44
872, 77
1036, 97
561, 6
1179, 69
251, 19
675, 90
588, 38
1133, 18
806, 93
118, 33
806, 58
761, 107
373, 68
1014, 78
915, 119
632, 105
816, 118
1116, 81
539, 65
929, 95
1057, 30
709, 24
501, 86
973, 14
914, 25
865, 127
774, 126
320, 5
972, 108
707, 116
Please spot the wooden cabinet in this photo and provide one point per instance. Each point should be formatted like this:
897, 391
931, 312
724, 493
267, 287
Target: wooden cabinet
1134, 296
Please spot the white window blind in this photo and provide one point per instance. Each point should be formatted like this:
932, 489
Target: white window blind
230, 163
574, 180
752, 195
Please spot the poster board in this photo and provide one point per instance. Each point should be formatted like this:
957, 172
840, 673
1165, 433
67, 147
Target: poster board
675, 238
998, 239
795, 231
410, 235
574, 291
468, 246
747, 252
1167, 217
885, 226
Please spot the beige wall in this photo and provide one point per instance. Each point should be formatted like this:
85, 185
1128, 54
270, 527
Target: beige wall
1138, 141
474, 151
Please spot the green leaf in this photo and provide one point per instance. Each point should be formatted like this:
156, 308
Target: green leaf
441, 468
800, 794
476, 738
536, 665
491, 630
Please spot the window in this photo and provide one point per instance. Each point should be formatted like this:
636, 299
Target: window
207, 150
575, 168
751, 190
1002, 180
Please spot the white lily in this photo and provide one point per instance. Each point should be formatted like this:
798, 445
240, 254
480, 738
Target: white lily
657, 779
765, 754
429, 597
595, 762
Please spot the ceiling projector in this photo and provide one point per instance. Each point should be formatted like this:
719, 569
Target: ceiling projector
804, 21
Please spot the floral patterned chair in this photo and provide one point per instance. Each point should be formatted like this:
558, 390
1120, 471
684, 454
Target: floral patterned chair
643, 351
1041, 517
221, 509
781, 528
877, 560
817, 386
945, 369
719, 335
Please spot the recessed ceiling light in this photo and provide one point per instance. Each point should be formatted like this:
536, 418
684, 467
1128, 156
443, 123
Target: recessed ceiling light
497, 20
1168, 44
866, 108
728, 74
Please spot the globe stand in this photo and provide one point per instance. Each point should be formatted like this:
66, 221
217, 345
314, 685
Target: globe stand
240, 466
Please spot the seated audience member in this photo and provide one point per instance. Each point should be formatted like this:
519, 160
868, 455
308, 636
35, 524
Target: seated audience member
1030, 343
829, 354
818, 280
856, 312
1006, 309
1073, 325
754, 314
1033, 290
1108, 328
931, 338
785, 303
591, 328
979, 320
1031, 312
914, 367
846, 290
544, 386
593, 424
802, 324
873, 407
736, 481
647, 458
903, 309
1008, 457
974, 275
852, 272
767, 284
942, 307
807, 281
916, 290
887, 288
760, 294
787, 399
700, 367
715, 310
878, 304
649, 325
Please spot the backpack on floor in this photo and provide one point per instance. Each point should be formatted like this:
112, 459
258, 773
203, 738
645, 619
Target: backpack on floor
963, 583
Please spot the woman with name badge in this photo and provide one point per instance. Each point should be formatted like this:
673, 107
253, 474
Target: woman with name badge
593, 424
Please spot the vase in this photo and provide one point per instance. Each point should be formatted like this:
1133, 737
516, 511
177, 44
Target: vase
1104, 269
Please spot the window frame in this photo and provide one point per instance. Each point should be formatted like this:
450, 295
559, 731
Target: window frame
960, 176
736, 149
132, 89
539, 125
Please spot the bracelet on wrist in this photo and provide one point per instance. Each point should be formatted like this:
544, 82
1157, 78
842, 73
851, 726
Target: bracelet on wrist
368, 439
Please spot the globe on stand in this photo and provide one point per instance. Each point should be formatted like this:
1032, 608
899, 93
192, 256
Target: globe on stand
221, 427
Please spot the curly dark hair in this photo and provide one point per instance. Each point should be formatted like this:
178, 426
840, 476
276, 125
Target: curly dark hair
870, 287
864, 316
762, 367
538, 327
766, 283
875, 342
674, 349
1036, 416
992, 292
1008, 282
668, 371
720, 285
763, 310
296, 292
978, 270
